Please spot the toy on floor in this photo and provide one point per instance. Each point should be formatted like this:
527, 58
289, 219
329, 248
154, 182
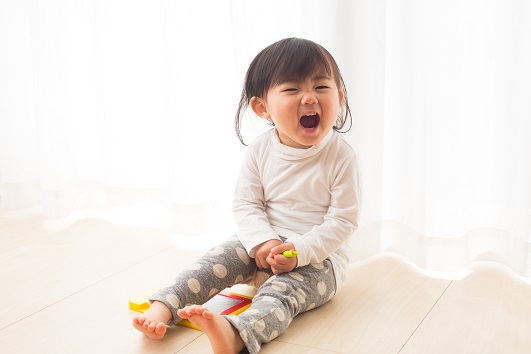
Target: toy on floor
226, 302
140, 303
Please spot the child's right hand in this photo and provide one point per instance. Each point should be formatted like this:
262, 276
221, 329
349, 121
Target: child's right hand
278, 262
262, 252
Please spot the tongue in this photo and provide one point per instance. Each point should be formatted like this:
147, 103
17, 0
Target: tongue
309, 121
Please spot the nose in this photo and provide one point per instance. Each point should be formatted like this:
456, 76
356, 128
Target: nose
309, 98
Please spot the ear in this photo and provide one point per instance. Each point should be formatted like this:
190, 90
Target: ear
258, 105
341, 97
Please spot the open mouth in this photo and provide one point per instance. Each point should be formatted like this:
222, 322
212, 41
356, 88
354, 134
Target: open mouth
310, 121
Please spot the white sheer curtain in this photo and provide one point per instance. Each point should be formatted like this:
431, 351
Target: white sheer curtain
123, 109
456, 153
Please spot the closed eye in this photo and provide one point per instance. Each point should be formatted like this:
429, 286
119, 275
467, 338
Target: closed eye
291, 89
322, 87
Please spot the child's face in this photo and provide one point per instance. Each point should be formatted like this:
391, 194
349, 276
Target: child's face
303, 112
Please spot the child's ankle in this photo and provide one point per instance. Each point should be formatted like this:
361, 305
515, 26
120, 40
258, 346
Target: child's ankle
160, 312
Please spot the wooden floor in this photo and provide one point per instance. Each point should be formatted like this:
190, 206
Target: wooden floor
64, 289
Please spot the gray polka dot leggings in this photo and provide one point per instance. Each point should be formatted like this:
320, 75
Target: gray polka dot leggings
276, 303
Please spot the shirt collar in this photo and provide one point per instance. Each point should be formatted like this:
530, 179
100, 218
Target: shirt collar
291, 153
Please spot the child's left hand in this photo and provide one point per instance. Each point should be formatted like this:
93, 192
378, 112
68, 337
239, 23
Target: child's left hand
280, 264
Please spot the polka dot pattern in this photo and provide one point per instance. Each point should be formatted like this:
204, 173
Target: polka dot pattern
242, 254
213, 292
296, 276
260, 325
318, 265
252, 312
321, 288
244, 336
294, 303
217, 251
278, 286
268, 299
194, 286
301, 295
220, 271
280, 314
173, 300
255, 346
195, 266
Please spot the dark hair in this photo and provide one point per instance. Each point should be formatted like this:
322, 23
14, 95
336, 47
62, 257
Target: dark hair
290, 59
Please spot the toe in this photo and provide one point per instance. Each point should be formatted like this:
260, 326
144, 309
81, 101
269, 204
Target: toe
207, 314
160, 328
199, 310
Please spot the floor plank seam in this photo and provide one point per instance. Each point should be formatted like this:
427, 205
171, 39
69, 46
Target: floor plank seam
190, 343
424, 318
306, 346
85, 288
30, 242
47, 235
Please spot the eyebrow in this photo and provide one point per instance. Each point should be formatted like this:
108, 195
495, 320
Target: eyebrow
321, 77
315, 78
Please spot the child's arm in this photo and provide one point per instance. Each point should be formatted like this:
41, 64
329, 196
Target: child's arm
340, 221
254, 229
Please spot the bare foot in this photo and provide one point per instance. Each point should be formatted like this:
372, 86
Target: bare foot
222, 336
153, 322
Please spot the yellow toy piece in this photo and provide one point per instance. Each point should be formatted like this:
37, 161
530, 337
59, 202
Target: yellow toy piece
290, 253
140, 303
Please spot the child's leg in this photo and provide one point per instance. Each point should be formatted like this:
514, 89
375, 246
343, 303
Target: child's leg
221, 267
280, 299
223, 337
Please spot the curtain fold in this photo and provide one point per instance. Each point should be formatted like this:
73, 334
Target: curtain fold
456, 156
124, 110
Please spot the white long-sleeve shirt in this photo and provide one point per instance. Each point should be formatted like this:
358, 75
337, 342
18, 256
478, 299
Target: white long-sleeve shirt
309, 196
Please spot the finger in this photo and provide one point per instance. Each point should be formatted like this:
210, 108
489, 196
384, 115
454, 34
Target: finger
271, 261
278, 249
279, 270
283, 247
280, 259
262, 263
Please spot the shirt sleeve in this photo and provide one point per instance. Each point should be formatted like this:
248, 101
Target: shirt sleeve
340, 221
249, 207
